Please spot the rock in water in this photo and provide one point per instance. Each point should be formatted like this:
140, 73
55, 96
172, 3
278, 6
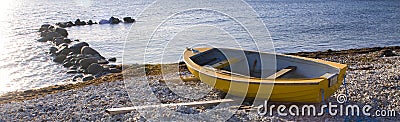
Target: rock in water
114, 20
62, 24
58, 41
60, 58
103, 21
87, 78
95, 68
78, 22
67, 41
63, 50
90, 22
76, 48
62, 31
128, 20
53, 50
86, 62
44, 27
50, 36
89, 50
112, 59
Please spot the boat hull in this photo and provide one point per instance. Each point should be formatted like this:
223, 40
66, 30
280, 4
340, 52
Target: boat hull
305, 90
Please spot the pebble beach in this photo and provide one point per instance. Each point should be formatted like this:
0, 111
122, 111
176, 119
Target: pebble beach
372, 78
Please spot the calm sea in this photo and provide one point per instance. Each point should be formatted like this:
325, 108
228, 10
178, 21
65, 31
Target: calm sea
294, 25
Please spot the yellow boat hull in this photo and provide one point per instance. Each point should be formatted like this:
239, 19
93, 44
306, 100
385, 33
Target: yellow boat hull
306, 90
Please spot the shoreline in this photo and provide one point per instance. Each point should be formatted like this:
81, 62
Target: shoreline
16, 96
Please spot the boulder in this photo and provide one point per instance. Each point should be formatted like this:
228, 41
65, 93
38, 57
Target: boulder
386, 53
76, 48
86, 62
83, 23
90, 22
94, 68
114, 20
70, 24
53, 50
113, 59
63, 51
62, 24
44, 27
67, 41
60, 58
62, 31
128, 20
89, 50
58, 41
49, 36
103, 21
87, 78
78, 22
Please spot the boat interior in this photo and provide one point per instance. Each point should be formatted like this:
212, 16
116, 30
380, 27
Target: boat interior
261, 65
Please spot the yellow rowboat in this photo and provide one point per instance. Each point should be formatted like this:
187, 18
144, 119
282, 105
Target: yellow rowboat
276, 77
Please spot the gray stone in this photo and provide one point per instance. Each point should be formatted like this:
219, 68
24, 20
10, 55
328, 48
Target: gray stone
128, 20
62, 31
87, 78
112, 59
44, 27
386, 53
58, 41
67, 41
76, 48
53, 50
49, 36
86, 62
94, 68
60, 58
89, 50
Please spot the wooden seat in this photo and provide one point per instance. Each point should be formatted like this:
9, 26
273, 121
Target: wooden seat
282, 72
226, 62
